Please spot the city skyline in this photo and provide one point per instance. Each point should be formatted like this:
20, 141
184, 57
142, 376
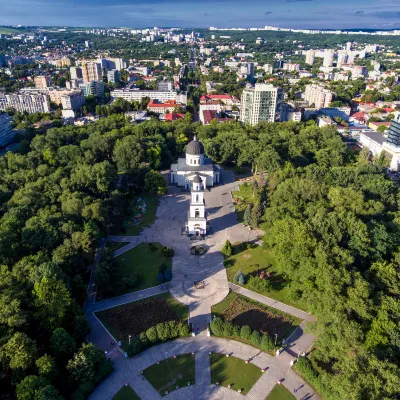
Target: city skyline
368, 14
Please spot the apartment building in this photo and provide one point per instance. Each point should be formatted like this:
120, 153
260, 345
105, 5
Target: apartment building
113, 76
30, 102
291, 67
42, 82
310, 57
91, 71
6, 133
93, 88
261, 103
73, 99
318, 95
134, 94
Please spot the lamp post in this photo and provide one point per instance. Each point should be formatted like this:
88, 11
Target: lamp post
129, 339
276, 338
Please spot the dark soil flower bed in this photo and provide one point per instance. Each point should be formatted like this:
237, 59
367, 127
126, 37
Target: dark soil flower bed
242, 311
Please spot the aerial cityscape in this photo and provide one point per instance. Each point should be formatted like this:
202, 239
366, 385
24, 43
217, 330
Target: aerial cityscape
207, 209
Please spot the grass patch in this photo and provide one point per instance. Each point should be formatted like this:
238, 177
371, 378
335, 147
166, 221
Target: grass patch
140, 216
279, 392
254, 260
242, 198
142, 263
126, 393
233, 371
116, 245
172, 372
242, 311
138, 316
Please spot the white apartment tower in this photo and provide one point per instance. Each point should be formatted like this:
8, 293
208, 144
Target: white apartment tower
310, 57
328, 59
318, 95
197, 221
261, 103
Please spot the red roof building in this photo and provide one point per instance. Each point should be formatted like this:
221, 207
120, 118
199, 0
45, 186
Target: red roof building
163, 108
174, 116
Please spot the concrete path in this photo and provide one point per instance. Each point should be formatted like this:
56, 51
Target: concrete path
128, 371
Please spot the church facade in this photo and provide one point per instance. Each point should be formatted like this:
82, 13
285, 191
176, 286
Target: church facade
195, 164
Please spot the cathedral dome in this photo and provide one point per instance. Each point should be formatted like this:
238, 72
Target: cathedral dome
195, 148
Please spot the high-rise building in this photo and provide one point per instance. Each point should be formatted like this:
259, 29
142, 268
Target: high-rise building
268, 68
341, 59
394, 133
310, 57
348, 46
76, 72
113, 76
30, 102
6, 133
91, 71
261, 103
73, 100
318, 95
87, 44
93, 88
328, 59
42, 82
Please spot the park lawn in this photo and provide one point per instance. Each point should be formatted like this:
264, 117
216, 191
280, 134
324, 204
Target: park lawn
126, 393
244, 311
252, 261
138, 316
142, 261
234, 371
279, 392
242, 198
148, 217
172, 372
116, 245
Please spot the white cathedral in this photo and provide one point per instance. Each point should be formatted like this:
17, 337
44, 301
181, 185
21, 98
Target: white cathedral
183, 172
195, 172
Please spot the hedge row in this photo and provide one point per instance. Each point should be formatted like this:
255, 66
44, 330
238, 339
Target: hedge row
310, 374
228, 329
159, 333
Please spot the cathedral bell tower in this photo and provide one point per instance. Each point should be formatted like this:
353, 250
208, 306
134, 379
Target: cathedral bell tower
197, 221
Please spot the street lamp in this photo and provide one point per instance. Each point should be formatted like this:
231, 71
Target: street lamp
129, 339
276, 338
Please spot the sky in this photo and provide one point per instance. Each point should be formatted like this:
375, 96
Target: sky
319, 14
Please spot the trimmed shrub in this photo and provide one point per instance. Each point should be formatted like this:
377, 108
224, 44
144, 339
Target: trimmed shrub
259, 285
266, 343
184, 330
241, 280
216, 326
151, 334
227, 328
168, 252
143, 339
255, 338
173, 329
162, 332
136, 346
236, 331
245, 332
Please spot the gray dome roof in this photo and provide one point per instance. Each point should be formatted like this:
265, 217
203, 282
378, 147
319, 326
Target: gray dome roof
197, 179
194, 148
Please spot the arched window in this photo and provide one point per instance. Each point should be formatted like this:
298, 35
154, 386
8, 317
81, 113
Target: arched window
196, 213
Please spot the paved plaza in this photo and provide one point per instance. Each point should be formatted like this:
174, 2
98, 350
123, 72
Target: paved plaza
187, 269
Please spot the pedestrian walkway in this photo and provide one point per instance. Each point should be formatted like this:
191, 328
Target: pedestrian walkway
129, 371
272, 303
